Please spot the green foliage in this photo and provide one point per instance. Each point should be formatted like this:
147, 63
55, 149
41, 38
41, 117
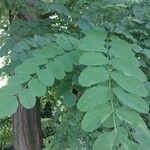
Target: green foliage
69, 99
69, 134
104, 141
95, 117
34, 75
98, 94
5, 133
133, 101
91, 55
89, 76
123, 88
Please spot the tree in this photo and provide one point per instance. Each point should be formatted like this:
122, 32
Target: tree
26, 123
96, 64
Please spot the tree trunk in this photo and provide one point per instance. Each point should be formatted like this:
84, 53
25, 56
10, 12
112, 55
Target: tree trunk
26, 123
27, 129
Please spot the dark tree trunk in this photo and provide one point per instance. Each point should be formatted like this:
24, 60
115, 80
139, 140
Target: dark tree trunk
26, 123
27, 129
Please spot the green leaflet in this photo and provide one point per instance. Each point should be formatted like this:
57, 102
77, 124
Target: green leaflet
37, 60
130, 84
147, 53
63, 41
142, 139
69, 59
143, 127
27, 98
109, 122
66, 61
46, 77
27, 68
137, 48
49, 51
69, 99
129, 116
119, 46
30, 66
93, 59
93, 75
128, 68
95, 117
19, 79
122, 131
105, 141
93, 41
31, 42
40, 40
93, 97
122, 49
11, 89
74, 56
133, 119
133, 101
37, 87
73, 41
147, 43
57, 68
8, 105
129, 145
63, 87
22, 46
66, 42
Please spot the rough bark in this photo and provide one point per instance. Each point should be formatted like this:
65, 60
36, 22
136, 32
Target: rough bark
27, 129
26, 123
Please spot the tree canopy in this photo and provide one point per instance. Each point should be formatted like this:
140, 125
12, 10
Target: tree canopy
89, 60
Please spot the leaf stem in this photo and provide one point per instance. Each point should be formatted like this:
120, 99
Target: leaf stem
112, 103
111, 94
